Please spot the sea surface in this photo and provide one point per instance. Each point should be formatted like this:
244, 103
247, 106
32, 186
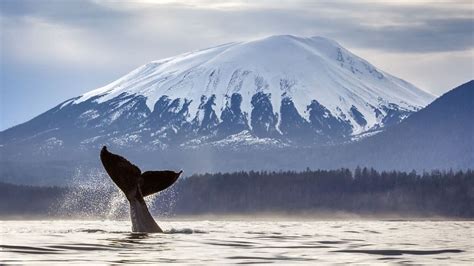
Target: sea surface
238, 242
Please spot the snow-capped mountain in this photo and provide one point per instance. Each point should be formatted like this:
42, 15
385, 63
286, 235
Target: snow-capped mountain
280, 90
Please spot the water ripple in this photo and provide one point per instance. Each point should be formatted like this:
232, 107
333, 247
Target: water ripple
247, 242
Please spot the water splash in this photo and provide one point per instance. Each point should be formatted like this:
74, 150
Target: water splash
92, 194
163, 203
184, 231
118, 205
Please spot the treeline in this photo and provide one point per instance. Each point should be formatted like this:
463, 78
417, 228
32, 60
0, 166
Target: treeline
362, 191
28, 200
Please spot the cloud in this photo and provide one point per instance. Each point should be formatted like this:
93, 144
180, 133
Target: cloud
36, 41
428, 36
173, 26
435, 72
124, 34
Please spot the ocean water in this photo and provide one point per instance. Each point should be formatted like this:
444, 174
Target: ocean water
238, 242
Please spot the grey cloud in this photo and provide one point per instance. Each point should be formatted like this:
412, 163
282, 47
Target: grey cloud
434, 35
175, 27
59, 10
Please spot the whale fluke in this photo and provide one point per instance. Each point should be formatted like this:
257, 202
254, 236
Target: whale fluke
155, 181
136, 185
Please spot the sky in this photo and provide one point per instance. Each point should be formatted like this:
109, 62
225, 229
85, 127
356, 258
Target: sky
53, 50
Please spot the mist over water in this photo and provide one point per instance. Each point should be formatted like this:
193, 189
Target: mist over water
238, 242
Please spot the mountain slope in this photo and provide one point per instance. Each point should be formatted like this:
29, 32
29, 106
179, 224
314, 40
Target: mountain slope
280, 90
440, 136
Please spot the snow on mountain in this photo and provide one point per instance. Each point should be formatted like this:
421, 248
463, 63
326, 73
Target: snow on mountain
277, 91
302, 69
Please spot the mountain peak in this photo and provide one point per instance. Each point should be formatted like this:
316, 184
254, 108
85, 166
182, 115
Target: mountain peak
282, 66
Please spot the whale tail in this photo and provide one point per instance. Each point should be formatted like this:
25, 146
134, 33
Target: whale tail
128, 177
136, 185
